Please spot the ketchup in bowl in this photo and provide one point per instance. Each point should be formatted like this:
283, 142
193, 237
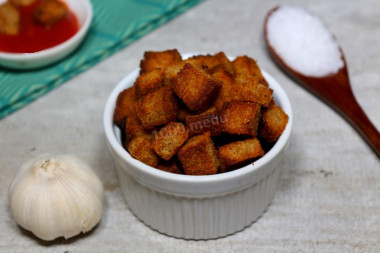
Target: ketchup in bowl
34, 37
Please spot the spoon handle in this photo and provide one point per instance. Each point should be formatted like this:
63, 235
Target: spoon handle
355, 115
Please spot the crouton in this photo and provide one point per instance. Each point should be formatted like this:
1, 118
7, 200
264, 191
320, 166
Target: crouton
157, 108
169, 139
171, 73
247, 71
141, 149
134, 128
272, 123
212, 62
208, 121
125, 106
237, 153
241, 118
254, 92
196, 88
49, 12
198, 156
159, 60
183, 112
21, 3
9, 19
171, 166
148, 82
229, 90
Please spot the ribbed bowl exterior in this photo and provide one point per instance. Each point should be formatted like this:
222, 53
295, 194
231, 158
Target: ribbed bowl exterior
198, 218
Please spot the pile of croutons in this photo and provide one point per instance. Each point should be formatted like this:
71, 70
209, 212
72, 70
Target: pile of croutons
199, 116
46, 12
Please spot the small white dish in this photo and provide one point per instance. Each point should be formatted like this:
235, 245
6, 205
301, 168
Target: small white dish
197, 207
83, 10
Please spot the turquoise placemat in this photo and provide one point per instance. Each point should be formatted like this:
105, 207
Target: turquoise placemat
116, 24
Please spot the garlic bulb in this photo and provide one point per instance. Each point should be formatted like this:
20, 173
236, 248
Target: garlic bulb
56, 196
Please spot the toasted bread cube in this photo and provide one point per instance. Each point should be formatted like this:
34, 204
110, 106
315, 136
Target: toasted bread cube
171, 166
255, 92
272, 123
212, 62
239, 152
171, 72
134, 128
247, 71
49, 12
208, 121
159, 60
21, 3
183, 112
157, 108
169, 139
9, 19
125, 106
241, 118
198, 156
141, 149
228, 92
148, 82
196, 88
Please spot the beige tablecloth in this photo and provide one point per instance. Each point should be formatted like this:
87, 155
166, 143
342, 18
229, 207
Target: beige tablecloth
329, 195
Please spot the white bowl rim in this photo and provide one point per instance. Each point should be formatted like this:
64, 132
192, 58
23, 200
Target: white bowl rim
56, 49
279, 94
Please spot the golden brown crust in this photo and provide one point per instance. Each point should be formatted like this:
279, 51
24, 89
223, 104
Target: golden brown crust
272, 123
171, 166
141, 149
198, 156
21, 3
211, 63
149, 82
196, 88
9, 19
247, 71
50, 12
208, 121
239, 152
157, 108
159, 60
229, 90
125, 106
169, 139
241, 118
171, 73
257, 93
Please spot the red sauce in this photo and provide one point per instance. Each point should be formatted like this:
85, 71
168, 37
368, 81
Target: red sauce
34, 37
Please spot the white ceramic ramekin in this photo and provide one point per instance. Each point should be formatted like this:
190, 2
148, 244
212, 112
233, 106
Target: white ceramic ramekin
83, 11
197, 207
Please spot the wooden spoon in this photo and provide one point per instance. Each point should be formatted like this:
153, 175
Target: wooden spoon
335, 90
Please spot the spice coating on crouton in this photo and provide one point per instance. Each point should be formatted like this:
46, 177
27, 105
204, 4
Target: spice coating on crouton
229, 90
141, 149
50, 12
171, 166
21, 3
169, 139
171, 72
198, 156
157, 108
125, 106
9, 19
208, 121
212, 62
149, 82
196, 88
247, 71
240, 118
272, 123
159, 60
239, 152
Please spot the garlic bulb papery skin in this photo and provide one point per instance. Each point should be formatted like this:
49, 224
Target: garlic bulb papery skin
54, 196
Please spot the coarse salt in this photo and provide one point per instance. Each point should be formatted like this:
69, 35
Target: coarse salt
303, 42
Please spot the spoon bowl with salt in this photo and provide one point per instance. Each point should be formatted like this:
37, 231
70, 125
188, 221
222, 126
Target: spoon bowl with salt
302, 45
